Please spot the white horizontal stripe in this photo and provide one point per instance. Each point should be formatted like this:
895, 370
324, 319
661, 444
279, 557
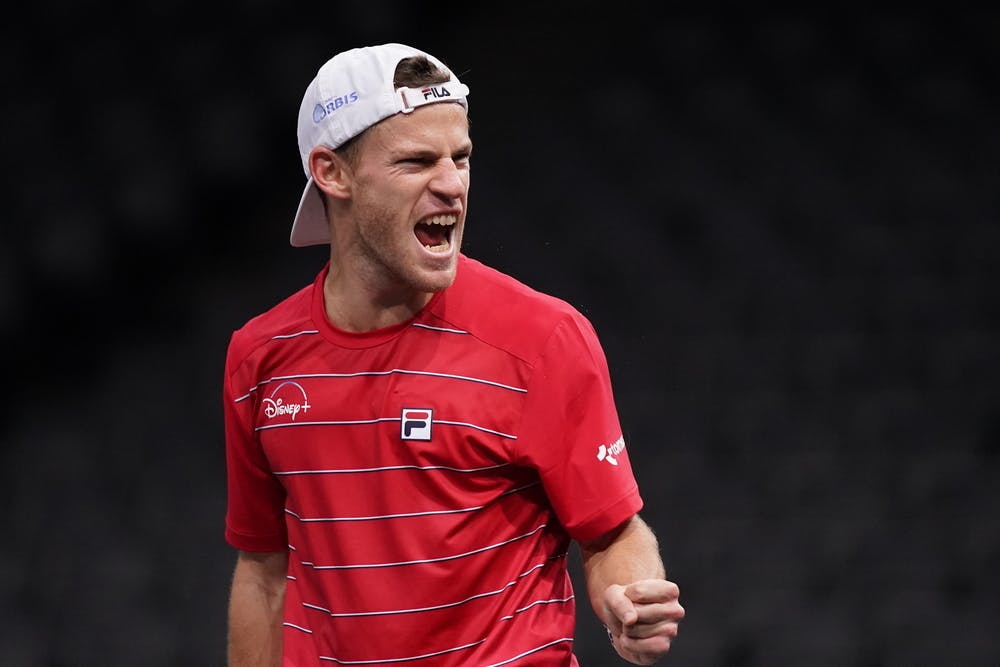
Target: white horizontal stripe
401, 371
437, 607
333, 423
357, 422
464, 378
387, 468
510, 617
538, 602
382, 516
534, 650
408, 659
416, 610
478, 428
405, 515
297, 627
296, 334
444, 329
364, 566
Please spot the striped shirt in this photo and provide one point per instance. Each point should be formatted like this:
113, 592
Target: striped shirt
426, 479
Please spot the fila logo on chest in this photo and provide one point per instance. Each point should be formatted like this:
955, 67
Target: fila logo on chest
416, 423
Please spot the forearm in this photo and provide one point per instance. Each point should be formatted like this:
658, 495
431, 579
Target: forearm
629, 592
628, 556
255, 610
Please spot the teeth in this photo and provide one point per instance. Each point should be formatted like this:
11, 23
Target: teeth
443, 220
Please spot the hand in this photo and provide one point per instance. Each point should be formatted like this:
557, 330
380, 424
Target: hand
643, 618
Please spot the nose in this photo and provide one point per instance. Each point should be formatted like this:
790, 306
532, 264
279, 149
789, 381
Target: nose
450, 180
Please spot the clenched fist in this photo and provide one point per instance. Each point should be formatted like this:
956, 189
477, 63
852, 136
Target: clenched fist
643, 618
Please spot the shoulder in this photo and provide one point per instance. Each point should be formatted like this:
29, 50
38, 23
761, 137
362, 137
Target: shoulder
289, 318
504, 312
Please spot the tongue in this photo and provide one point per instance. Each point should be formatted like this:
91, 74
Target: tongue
430, 235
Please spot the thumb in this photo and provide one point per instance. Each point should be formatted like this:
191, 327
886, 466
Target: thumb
619, 605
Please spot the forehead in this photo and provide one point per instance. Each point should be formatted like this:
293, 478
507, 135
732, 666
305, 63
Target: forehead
443, 125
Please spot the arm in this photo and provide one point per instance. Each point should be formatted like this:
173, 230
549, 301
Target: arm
629, 593
255, 609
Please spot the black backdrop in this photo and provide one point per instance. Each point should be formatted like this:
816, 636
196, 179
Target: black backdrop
784, 227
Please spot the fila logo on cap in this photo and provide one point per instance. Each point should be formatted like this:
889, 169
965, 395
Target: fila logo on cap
416, 423
435, 91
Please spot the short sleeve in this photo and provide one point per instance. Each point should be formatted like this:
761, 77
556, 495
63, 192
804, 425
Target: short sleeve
255, 518
571, 433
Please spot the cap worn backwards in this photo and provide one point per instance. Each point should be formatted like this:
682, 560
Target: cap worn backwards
351, 92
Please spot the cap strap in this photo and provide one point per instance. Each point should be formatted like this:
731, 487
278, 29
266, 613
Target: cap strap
449, 91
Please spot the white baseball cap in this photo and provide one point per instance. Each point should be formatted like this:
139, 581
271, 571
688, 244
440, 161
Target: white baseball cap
351, 92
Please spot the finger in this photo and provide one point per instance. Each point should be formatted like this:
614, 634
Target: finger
647, 650
652, 590
663, 620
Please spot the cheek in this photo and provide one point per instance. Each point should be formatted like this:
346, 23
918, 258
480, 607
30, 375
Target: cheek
382, 223
377, 206
387, 202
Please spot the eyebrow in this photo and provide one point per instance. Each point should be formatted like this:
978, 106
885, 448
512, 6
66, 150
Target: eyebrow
428, 153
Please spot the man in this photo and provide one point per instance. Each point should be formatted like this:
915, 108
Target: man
414, 439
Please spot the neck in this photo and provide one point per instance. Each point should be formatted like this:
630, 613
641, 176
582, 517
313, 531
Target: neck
355, 306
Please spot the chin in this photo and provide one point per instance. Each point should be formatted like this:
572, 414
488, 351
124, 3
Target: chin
440, 281
435, 280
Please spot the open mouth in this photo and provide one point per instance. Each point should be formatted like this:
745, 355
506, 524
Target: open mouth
434, 233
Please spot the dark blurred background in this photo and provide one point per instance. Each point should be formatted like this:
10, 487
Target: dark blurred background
783, 225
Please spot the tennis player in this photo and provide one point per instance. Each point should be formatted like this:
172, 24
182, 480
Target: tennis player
415, 440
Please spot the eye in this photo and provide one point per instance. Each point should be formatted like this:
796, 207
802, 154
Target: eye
421, 160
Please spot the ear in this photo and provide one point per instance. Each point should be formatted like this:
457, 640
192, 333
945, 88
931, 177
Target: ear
330, 172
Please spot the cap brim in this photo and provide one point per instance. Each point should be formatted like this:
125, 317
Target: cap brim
310, 226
